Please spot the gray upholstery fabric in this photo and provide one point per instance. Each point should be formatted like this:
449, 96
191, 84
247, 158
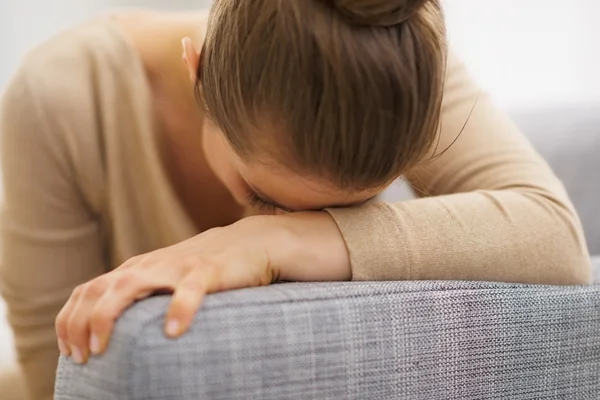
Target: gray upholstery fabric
393, 340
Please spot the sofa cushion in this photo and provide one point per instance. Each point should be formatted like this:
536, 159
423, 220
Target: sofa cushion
367, 340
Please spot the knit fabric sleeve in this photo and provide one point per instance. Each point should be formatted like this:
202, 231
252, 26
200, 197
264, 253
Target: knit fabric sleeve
489, 208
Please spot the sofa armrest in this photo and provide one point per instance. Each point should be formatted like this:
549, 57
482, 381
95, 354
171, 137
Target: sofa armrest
385, 340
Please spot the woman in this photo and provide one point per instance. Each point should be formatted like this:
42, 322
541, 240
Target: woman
308, 110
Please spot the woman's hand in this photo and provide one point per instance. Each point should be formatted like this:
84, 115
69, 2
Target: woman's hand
255, 251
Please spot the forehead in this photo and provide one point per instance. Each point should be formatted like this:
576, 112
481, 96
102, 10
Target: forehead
300, 192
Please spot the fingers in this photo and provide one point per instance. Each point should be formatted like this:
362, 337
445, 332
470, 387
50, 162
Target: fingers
71, 323
126, 289
61, 322
65, 329
88, 318
186, 301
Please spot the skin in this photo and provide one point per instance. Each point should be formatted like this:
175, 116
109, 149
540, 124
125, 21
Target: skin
290, 239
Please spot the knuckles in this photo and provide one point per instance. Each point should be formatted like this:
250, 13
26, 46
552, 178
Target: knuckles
126, 279
95, 288
78, 291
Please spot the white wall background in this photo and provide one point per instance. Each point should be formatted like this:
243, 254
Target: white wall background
525, 52
529, 52
522, 51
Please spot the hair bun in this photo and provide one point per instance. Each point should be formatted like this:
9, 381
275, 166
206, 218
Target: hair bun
378, 12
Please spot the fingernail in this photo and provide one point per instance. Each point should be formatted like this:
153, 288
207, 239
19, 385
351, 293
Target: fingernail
64, 349
77, 355
95, 344
173, 327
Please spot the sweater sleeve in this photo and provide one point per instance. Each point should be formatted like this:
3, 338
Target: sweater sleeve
50, 239
489, 207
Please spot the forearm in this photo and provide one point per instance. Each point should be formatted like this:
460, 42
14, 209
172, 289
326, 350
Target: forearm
518, 235
504, 235
485, 235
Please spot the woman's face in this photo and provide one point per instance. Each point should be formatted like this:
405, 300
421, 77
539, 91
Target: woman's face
273, 189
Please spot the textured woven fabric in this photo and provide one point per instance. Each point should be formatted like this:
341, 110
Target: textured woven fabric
387, 340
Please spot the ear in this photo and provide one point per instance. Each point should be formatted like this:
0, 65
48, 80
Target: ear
191, 57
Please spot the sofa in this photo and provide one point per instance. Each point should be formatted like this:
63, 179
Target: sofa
378, 340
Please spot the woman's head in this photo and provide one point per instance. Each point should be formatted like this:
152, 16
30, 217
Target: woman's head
344, 94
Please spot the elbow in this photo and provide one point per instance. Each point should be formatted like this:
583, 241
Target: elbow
577, 266
569, 248
577, 263
564, 255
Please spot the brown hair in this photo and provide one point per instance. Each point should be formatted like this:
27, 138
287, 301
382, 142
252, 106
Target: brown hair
348, 90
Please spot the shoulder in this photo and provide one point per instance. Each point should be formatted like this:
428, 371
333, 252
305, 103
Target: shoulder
156, 36
58, 78
51, 110
61, 72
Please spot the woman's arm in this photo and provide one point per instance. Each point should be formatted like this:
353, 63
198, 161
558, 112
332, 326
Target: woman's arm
50, 242
491, 208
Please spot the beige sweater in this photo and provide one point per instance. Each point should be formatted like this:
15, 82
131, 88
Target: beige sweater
85, 190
